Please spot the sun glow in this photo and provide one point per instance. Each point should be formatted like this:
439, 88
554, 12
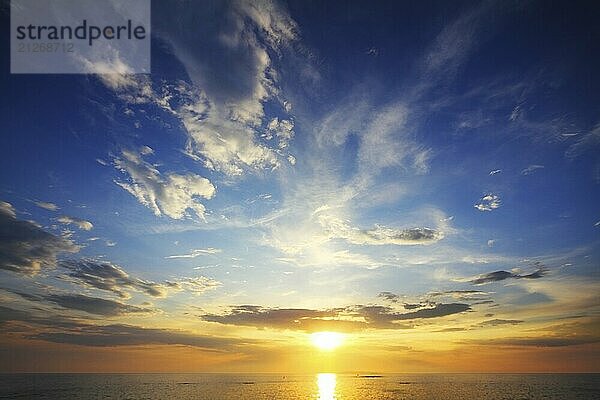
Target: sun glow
327, 340
326, 386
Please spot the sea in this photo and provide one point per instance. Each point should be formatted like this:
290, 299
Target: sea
325, 386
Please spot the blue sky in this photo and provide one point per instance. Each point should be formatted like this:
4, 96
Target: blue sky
316, 156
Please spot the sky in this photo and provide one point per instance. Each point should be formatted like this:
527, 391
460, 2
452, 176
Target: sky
422, 178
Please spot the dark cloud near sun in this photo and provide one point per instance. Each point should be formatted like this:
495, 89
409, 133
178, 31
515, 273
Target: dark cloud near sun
499, 322
25, 247
130, 335
60, 329
286, 318
352, 318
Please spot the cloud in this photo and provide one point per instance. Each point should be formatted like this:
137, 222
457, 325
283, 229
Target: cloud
462, 295
130, 335
58, 329
497, 276
80, 223
284, 318
222, 108
585, 143
196, 285
491, 242
47, 206
488, 202
351, 318
386, 138
379, 235
389, 296
383, 145
282, 129
531, 169
169, 194
537, 341
457, 40
499, 322
7, 209
197, 252
94, 305
103, 275
25, 247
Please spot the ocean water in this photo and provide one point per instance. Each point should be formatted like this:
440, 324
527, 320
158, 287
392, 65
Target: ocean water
319, 386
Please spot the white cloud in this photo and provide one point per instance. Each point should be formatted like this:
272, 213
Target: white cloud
386, 139
7, 209
225, 120
196, 285
282, 129
457, 40
47, 206
491, 242
488, 202
495, 171
586, 142
379, 235
225, 145
80, 223
531, 169
381, 141
169, 194
197, 252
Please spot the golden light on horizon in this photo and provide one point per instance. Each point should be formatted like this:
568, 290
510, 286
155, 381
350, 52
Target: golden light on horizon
327, 340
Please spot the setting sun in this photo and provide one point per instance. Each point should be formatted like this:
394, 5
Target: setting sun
327, 340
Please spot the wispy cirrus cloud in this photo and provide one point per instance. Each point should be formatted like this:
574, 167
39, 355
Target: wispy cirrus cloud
196, 253
531, 169
585, 142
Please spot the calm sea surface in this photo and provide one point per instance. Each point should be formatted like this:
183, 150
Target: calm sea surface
320, 386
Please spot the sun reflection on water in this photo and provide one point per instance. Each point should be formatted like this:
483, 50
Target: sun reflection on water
326, 385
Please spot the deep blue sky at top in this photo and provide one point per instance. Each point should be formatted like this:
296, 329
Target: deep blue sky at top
539, 60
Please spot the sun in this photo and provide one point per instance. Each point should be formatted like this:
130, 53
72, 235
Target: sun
327, 340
